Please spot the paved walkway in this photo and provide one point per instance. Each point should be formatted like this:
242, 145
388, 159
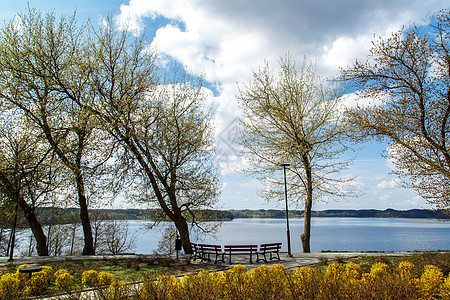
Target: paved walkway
297, 259
304, 259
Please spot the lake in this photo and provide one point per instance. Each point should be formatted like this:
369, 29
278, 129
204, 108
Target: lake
336, 234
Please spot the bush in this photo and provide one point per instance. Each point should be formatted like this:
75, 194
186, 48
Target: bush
89, 278
63, 280
337, 282
105, 278
10, 286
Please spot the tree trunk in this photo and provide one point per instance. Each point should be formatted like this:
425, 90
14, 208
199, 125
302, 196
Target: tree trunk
30, 216
36, 228
183, 229
306, 235
84, 217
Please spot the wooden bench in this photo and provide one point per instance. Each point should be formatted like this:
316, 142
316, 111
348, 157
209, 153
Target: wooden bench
206, 250
195, 252
272, 248
241, 249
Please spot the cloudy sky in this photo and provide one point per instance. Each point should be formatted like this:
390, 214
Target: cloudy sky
225, 40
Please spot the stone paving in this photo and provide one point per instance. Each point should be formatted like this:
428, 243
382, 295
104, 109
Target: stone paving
303, 259
297, 259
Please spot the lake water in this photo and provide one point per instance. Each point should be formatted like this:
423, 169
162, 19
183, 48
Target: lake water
336, 234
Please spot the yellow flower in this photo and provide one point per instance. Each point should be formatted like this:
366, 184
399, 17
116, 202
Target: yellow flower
63, 280
38, 284
89, 278
105, 278
379, 270
116, 290
353, 271
407, 270
445, 288
430, 281
9, 285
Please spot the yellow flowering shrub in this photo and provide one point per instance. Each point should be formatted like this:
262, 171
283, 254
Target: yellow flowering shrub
89, 278
407, 270
204, 283
105, 278
430, 282
63, 280
445, 289
38, 284
116, 291
48, 271
353, 271
9, 286
258, 278
148, 290
23, 277
167, 287
306, 283
236, 283
379, 270
337, 282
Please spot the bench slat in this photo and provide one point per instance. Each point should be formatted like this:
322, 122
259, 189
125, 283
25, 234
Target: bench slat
241, 249
206, 250
271, 248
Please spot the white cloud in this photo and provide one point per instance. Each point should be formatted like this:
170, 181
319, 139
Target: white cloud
414, 202
227, 40
394, 183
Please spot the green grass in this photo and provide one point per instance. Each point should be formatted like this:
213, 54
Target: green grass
128, 270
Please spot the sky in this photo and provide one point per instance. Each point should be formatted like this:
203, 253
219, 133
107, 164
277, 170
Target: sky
227, 40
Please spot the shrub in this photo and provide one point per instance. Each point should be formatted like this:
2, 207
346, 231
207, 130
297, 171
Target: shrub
105, 278
10, 286
23, 278
63, 280
430, 282
407, 270
89, 278
38, 284
306, 283
117, 290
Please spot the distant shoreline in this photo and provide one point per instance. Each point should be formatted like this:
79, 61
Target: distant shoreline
68, 215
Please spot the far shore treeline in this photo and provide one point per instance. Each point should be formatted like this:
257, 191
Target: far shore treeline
69, 215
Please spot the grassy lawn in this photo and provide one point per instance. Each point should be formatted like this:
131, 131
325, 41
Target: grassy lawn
128, 270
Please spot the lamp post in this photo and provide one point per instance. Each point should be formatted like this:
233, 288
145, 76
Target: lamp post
287, 211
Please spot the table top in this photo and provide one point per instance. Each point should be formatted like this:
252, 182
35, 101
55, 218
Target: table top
30, 269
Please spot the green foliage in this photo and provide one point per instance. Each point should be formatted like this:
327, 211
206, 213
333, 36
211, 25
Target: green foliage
337, 282
403, 98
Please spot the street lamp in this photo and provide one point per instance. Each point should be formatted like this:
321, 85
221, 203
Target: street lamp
287, 211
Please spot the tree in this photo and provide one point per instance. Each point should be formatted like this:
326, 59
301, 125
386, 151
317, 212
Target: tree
408, 74
43, 74
162, 125
292, 118
27, 169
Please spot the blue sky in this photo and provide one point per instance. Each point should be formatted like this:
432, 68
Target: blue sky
226, 40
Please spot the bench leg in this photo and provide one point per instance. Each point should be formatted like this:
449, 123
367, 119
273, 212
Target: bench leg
273, 256
221, 260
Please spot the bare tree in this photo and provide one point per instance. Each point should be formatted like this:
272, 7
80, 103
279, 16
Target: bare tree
162, 124
117, 237
27, 171
43, 74
292, 117
408, 74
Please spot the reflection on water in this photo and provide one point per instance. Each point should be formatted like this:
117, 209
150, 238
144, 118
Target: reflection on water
337, 234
